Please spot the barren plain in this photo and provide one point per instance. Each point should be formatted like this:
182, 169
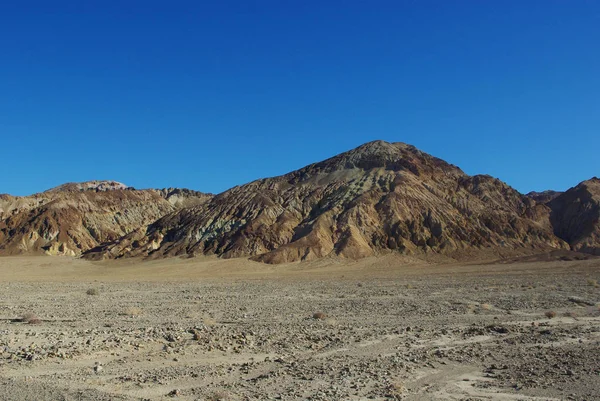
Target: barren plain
377, 328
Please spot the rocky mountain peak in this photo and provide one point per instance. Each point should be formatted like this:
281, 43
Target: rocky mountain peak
396, 157
593, 183
544, 196
94, 185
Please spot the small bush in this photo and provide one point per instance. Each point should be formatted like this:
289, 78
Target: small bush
92, 291
219, 396
593, 283
395, 391
319, 315
30, 318
550, 314
133, 311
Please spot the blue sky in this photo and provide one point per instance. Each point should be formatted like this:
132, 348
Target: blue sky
211, 94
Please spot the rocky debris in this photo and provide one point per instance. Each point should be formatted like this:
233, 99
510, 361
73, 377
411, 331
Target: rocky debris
472, 334
581, 301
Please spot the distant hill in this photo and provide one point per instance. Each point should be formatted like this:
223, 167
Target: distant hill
75, 217
543, 197
95, 185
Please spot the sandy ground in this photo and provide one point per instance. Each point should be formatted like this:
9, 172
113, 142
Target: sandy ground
210, 329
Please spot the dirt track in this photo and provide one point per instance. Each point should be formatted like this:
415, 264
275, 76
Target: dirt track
231, 329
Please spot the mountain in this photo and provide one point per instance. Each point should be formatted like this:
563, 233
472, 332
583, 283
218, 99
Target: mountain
576, 216
75, 217
96, 185
380, 197
543, 197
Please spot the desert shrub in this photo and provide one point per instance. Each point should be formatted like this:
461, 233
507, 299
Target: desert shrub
395, 391
219, 396
593, 283
30, 318
92, 291
550, 314
319, 315
133, 311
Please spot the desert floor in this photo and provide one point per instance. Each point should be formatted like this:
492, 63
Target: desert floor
209, 329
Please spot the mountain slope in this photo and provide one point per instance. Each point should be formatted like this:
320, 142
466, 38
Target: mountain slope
543, 197
576, 216
74, 218
378, 197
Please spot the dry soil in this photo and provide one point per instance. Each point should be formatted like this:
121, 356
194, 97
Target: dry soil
380, 328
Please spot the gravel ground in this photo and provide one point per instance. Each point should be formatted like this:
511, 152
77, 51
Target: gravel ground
504, 332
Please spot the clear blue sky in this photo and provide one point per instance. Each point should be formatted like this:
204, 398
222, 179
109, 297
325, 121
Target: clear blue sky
212, 94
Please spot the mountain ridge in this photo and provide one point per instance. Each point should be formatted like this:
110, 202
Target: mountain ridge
377, 198
75, 217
